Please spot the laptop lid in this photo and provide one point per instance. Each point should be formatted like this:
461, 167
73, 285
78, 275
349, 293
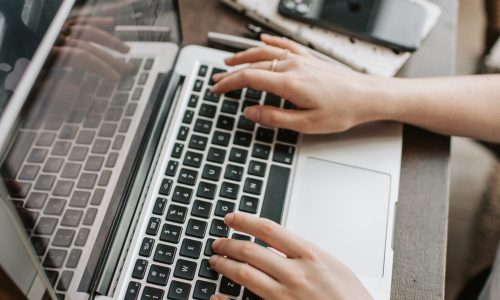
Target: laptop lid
45, 50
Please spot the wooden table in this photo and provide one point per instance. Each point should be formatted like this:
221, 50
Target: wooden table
422, 211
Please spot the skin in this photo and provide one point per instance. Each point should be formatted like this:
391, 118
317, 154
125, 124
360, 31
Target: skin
330, 99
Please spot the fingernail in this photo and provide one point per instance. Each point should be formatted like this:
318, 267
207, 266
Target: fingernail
215, 244
214, 297
265, 35
214, 89
253, 114
213, 259
228, 219
227, 59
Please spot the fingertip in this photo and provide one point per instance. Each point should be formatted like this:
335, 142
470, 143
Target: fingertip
228, 219
213, 260
215, 244
253, 113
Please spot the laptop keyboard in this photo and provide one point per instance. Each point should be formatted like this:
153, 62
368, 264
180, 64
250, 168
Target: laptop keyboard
220, 162
69, 160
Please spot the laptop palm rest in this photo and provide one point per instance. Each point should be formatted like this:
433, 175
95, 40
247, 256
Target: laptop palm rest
347, 220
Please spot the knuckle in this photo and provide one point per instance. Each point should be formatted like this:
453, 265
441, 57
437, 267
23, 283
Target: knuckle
267, 228
242, 274
247, 250
271, 118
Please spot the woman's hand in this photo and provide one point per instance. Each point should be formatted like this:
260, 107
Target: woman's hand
330, 98
305, 272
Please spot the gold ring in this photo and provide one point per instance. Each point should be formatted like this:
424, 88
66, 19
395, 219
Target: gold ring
273, 65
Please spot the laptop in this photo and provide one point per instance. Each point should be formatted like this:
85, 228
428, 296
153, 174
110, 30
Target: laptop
115, 189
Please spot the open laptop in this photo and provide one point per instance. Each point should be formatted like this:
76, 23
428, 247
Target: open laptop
117, 189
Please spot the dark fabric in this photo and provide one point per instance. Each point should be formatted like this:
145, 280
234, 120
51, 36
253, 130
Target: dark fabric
474, 286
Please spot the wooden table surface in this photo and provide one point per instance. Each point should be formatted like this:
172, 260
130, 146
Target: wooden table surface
422, 210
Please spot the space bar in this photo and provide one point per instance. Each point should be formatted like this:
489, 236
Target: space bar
274, 198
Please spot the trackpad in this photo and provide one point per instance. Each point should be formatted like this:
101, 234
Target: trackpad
344, 210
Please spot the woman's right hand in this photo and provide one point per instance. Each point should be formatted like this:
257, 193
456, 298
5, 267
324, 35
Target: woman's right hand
331, 98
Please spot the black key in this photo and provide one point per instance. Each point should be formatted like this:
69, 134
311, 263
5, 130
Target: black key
172, 168
101, 146
206, 190
208, 248
62, 188
183, 133
248, 103
188, 116
225, 122
241, 237
193, 159
223, 208
216, 155
191, 248
196, 228
63, 237
249, 204
203, 126
208, 110
198, 85
149, 64
170, 233
165, 254
236, 94
211, 172
55, 206
234, 172
68, 132
53, 165
283, 154
202, 72
187, 176
36, 200
46, 226
274, 198
18, 151
78, 153
179, 290
242, 138
272, 100
137, 94
246, 124
166, 186
97, 197
73, 258
124, 125
146, 247
158, 275
126, 83
160, 205
257, 168
230, 107
201, 209
72, 170
107, 130
85, 137
94, 163
215, 71
27, 217
140, 269
261, 151
72, 218
153, 226
265, 135
204, 290
45, 139
45, 182
81, 237
65, 280
55, 258
253, 94
92, 121
249, 295
142, 78
253, 186
182, 194
193, 100
219, 228
177, 151
221, 138
176, 213
229, 190
40, 244
238, 155
289, 105
287, 136
209, 96
198, 142
229, 287
113, 114
150, 293
87, 181
205, 270
133, 289
119, 99
29, 172
185, 269
52, 276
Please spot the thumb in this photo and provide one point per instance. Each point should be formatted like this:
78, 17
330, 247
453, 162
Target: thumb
276, 117
218, 297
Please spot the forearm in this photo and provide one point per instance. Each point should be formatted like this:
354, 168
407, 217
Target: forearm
462, 106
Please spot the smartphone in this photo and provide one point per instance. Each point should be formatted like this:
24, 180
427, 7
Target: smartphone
397, 24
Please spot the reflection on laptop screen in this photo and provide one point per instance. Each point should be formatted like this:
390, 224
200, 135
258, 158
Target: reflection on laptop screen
23, 23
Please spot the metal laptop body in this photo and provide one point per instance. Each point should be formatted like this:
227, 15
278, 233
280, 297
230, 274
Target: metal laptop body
342, 189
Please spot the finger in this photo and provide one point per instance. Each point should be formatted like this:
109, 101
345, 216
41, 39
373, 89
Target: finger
99, 36
102, 22
268, 231
218, 297
257, 79
276, 117
284, 44
83, 59
279, 66
245, 275
257, 54
253, 254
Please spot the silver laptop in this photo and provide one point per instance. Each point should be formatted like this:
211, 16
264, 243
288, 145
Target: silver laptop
116, 189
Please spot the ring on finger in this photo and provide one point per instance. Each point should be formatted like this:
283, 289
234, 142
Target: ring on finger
273, 65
